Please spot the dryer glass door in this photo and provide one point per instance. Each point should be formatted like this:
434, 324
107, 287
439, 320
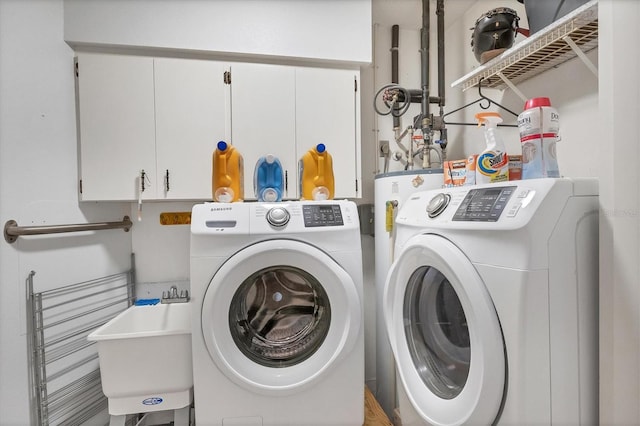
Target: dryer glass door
445, 334
437, 333
278, 314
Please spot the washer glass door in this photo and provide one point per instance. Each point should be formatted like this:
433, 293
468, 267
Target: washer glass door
445, 334
278, 314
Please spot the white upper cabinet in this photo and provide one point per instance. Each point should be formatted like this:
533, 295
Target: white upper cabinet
328, 112
263, 119
161, 116
149, 126
285, 111
191, 117
117, 130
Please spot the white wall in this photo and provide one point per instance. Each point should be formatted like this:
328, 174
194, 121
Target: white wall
615, 130
304, 29
38, 181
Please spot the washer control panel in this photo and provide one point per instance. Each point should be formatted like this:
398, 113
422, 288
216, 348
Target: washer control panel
316, 215
278, 217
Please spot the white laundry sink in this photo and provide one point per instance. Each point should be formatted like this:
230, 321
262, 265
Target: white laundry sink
145, 358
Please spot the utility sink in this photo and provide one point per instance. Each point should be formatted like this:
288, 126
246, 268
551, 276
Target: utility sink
145, 358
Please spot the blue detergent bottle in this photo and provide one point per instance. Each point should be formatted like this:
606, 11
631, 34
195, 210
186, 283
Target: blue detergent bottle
268, 179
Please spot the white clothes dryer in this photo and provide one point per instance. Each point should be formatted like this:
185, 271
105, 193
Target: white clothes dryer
278, 317
491, 303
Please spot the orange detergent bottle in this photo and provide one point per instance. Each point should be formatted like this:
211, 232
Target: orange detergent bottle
227, 177
316, 174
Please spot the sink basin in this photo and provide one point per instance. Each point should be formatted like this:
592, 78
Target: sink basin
145, 358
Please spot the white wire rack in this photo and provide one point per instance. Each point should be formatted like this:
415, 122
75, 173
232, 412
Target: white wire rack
572, 35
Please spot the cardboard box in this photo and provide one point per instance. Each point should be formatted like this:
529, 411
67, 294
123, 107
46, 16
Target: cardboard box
515, 167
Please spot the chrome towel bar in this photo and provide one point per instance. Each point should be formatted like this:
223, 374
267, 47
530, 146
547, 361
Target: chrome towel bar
12, 231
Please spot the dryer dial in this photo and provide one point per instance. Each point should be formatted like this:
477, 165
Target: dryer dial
278, 217
438, 204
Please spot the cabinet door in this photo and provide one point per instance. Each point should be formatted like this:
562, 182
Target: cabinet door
263, 119
328, 112
191, 117
117, 130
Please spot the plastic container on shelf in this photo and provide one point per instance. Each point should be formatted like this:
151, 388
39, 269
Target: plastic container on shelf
545, 12
493, 163
268, 179
227, 176
316, 174
539, 125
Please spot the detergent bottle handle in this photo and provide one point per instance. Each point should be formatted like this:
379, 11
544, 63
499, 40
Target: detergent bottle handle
320, 178
223, 168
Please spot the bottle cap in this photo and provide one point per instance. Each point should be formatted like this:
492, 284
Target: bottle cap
270, 158
489, 118
320, 148
270, 195
224, 194
222, 145
320, 193
537, 102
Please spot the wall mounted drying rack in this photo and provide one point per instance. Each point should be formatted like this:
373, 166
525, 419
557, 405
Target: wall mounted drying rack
12, 231
570, 36
65, 381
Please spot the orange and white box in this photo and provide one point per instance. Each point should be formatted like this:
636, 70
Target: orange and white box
455, 173
515, 167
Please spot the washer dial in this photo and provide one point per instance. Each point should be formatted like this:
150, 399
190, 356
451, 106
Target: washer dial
278, 217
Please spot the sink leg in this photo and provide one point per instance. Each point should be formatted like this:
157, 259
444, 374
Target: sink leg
117, 420
181, 416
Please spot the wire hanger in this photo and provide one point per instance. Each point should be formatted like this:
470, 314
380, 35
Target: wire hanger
488, 102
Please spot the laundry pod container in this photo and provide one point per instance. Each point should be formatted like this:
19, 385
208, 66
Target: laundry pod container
145, 358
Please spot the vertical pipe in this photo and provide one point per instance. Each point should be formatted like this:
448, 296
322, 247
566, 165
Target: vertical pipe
441, 88
395, 35
424, 56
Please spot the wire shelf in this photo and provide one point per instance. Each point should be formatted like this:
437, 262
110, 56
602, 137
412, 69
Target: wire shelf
542, 51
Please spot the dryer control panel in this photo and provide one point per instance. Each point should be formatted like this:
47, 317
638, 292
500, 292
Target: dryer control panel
484, 205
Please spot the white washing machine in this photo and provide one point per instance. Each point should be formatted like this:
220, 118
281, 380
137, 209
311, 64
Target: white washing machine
278, 317
491, 303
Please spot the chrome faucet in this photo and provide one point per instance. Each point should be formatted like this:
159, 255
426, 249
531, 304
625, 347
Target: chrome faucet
172, 296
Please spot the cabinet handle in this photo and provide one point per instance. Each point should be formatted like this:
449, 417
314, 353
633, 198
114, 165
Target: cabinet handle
166, 181
143, 176
286, 182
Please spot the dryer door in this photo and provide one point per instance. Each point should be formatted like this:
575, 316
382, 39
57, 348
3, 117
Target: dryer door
445, 334
278, 314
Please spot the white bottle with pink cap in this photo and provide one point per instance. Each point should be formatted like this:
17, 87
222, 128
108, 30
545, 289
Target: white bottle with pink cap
539, 124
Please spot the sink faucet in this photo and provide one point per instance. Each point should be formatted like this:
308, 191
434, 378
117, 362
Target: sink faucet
172, 296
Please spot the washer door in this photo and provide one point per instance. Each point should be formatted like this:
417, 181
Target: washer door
445, 334
278, 314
